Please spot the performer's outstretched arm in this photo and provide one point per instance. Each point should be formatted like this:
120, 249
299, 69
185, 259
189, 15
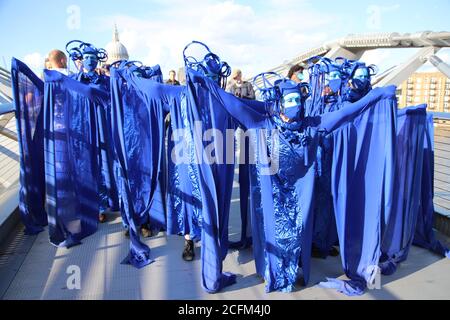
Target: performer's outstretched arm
333, 120
248, 113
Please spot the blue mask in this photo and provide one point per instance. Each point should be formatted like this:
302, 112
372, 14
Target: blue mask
293, 96
300, 76
333, 80
292, 105
335, 85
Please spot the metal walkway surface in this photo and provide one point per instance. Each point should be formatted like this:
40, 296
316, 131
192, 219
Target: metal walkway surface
31, 268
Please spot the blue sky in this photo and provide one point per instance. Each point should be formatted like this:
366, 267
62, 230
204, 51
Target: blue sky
251, 35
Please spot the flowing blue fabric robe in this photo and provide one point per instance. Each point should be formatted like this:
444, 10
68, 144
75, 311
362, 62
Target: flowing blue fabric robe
398, 235
362, 184
424, 234
282, 203
108, 186
28, 93
72, 148
139, 107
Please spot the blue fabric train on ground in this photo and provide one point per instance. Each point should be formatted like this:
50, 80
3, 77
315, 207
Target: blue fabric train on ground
28, 93
87, 57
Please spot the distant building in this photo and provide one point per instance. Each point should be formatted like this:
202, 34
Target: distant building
432, 88
116, 50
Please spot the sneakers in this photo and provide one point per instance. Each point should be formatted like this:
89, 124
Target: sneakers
334, 252
146, 232
188, 251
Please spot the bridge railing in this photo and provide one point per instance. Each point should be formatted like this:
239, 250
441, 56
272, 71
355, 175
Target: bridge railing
442, 163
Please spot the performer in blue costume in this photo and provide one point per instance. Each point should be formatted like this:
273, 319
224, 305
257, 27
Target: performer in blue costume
28, 93
327, 79
282, 202
358, 77
72, 167
139, 106
335, 82
87, 57
363, 171
152, 219
191, 106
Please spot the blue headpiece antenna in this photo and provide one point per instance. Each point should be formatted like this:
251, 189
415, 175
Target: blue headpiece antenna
77, 48
325, 72
210, 66
268, 91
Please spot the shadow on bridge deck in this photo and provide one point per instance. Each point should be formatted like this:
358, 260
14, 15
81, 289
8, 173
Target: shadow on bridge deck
31, 268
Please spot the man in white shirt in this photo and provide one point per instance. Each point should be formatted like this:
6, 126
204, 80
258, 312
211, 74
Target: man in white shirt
58, 61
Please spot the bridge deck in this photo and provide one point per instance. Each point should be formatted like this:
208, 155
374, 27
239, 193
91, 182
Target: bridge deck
31, 268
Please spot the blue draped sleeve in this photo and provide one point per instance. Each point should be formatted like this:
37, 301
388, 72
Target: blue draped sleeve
399, 232
28, 93
362, 185
138, 109
424, 234
71, 157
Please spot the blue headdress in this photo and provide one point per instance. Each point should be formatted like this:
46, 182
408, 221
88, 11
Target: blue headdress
139, 69
210, 66
77, 48
274, 93
358, 77
325, 73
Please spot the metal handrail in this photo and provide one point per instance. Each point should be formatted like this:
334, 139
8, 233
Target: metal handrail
6, 108
441, 115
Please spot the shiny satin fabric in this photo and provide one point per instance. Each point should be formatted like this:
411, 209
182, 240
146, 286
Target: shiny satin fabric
363, 170
72, 167
28, 93
139, 106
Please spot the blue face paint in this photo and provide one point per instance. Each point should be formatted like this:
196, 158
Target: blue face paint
359, 85
87, 53
90, 62
362, 74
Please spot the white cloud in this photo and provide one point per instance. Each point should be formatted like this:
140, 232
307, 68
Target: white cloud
377, 57
35, 61
247, 38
